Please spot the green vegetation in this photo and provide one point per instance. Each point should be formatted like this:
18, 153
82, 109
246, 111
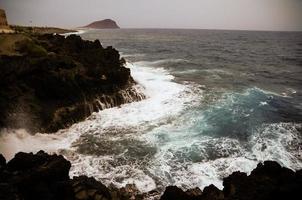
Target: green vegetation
28, 47
20, 44
39, 30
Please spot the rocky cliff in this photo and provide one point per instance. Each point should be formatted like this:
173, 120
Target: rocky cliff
103, 24
49, 82
4, 28
3, 20
41, 176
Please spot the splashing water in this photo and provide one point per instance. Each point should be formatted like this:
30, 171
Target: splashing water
192, 129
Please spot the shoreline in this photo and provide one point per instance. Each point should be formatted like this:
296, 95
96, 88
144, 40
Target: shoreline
49, 173
198, 192
51, 70
40, 30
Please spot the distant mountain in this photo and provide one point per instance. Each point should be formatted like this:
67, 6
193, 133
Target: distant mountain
103, 24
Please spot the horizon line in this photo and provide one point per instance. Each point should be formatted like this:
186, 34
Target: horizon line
158, 28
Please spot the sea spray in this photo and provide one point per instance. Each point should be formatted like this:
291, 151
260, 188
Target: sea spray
212, 107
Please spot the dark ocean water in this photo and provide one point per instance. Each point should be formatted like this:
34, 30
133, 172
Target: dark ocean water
218, 102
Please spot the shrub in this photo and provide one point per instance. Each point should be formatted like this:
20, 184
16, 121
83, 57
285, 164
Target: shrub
28, 47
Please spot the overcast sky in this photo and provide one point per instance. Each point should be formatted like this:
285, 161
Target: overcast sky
204, 14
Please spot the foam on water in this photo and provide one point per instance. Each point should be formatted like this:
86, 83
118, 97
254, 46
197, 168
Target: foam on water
78, 32
168, 138
166, 100
188, 163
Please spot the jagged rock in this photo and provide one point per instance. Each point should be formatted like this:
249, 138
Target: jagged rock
36, 176
173, 192
49, 82
40, 166
88, 188
212, 193
45, 177
129, 192
268, 181
194, 192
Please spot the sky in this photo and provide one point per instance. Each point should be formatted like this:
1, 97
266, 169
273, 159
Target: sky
274, 15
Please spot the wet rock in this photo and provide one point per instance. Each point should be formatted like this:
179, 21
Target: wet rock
36, 176
51, 82
268, 181
212, 193
194, 192
88, 188
173, 192
41, 176
40, 166
130, 192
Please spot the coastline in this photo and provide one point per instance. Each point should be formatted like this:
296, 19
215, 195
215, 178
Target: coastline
40, 30
61, 80
41, 176
196, 192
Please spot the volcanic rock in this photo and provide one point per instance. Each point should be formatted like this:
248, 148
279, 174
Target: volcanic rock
41, 176
49, 82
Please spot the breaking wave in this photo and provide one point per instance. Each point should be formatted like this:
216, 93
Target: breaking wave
172, 137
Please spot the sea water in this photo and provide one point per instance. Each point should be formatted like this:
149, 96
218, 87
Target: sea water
217, 102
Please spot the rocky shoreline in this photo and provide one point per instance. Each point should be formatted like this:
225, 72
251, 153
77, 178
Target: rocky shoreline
48, 82
42, 176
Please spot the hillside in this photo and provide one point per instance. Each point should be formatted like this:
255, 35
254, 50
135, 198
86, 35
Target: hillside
103, 24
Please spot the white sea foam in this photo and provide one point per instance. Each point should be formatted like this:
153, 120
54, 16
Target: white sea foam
165, 100
78, 32
279, 142
125, 55
163, 121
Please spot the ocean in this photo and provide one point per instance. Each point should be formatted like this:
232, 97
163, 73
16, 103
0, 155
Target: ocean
217, 102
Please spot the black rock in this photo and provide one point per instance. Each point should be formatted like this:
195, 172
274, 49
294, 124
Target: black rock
88, 188
36, 176
212, 192
173, 192
51, 82
268, 181
31, 176
2, 161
